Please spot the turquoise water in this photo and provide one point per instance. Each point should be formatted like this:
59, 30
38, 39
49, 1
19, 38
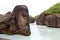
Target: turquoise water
37, 33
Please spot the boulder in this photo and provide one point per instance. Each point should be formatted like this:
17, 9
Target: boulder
50, 17
22, 19
51, 21
41, 20
15, 22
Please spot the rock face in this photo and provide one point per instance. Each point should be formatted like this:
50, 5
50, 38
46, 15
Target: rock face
22, 19
16, 22
50, 20
41, 20
58, 21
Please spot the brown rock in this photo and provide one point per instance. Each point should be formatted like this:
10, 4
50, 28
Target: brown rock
58, 20
11, 22
51, 21
3, 25
16, 22
41, 20
22, 19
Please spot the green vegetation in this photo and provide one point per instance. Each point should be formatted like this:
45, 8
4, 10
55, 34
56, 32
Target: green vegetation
36, 17
55, 9
31, 17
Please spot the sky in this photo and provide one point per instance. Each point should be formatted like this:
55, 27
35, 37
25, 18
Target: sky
35, 7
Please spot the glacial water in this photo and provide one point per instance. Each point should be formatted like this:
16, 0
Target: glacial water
37, 33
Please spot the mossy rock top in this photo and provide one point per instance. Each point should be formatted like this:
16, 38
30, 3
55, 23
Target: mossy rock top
55, 9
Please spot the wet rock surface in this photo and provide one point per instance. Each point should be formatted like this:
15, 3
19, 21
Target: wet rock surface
15, 22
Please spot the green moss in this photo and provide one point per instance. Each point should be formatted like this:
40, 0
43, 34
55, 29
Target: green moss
55, 9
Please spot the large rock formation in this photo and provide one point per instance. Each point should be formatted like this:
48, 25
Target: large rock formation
50, 17
41, 20
50, 20
22, 19
15, 22
53, 20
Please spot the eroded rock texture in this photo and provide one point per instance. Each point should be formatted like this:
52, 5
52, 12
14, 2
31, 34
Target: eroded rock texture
22, 19
15, 22
50, 20
41, 20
